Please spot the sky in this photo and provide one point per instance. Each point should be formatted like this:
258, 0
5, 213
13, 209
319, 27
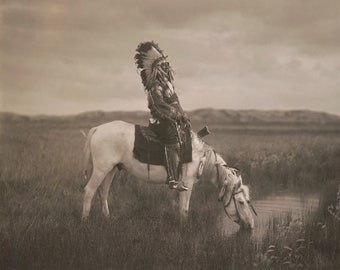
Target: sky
67, 57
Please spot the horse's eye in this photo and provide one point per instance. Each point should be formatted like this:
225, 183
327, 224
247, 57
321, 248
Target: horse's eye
241, 202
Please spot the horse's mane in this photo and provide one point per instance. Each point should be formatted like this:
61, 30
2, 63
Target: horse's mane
212, 158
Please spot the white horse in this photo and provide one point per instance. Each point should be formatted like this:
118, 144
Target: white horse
109, 148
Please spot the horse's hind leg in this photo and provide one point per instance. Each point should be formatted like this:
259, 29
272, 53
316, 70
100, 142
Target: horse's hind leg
90, 189
104, 192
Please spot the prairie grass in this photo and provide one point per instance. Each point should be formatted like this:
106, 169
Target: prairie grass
41, 189
281, 159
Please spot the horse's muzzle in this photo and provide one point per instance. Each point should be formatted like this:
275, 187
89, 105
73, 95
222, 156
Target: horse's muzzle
246, 226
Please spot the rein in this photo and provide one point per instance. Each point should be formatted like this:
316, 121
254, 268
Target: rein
232, 198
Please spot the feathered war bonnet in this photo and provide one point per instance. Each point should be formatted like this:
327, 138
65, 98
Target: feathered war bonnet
151, 61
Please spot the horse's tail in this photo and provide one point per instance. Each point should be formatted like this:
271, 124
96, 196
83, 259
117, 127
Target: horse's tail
88, 165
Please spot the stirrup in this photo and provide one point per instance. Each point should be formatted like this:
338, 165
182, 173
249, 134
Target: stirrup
177, 186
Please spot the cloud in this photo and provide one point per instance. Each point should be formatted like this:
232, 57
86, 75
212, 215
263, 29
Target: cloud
237, 54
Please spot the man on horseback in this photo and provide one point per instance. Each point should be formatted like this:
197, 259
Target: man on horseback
168, 119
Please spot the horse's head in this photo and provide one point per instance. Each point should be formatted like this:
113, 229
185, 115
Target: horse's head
235, 197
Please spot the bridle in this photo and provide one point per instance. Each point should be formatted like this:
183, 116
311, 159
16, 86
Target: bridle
233, 194
232, 198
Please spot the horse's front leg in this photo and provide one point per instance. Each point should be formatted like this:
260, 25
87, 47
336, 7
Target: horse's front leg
184, 200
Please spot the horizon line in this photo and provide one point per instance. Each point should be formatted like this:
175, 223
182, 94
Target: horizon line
146, 111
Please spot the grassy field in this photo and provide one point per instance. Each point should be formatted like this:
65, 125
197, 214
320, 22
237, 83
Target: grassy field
41, 187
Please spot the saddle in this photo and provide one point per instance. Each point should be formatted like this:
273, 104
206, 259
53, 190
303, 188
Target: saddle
148, 148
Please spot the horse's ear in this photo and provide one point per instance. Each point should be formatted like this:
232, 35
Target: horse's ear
236, 170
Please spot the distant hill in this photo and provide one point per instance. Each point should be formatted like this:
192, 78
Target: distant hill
211, 117
264, 117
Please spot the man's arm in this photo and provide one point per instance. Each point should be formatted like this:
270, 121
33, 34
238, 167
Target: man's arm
161, 108
182, 114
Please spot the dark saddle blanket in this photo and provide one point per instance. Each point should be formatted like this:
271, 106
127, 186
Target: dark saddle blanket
148, 149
